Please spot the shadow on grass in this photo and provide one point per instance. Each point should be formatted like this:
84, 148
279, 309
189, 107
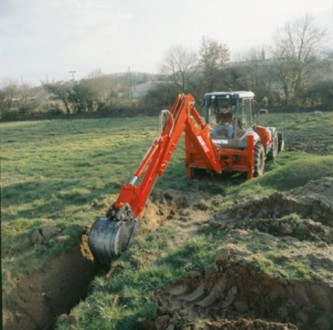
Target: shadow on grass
34, 200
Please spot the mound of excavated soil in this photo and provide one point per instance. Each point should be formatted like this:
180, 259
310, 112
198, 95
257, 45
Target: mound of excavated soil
172, 204
234, 294
314, 201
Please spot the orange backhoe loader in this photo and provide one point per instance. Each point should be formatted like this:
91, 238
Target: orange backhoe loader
245, 151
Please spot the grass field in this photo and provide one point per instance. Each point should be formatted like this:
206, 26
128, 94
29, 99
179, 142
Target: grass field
65, 173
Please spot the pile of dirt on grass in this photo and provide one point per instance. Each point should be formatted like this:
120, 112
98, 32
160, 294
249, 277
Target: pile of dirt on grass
235, 294
313, 200
305, 213
39, 299
172, 204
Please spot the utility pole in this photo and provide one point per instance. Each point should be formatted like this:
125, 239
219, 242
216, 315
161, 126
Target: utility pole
73, 74
130, 82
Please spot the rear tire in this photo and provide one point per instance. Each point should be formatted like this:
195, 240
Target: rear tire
281, 142
259, 160
275, 147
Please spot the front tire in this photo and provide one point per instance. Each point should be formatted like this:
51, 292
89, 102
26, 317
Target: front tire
259, 160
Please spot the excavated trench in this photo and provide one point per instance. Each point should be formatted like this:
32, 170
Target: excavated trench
40, 298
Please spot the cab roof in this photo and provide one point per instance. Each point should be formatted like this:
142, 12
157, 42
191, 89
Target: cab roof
230, 95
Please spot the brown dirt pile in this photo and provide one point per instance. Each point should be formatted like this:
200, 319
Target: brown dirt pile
172, 204
314, 201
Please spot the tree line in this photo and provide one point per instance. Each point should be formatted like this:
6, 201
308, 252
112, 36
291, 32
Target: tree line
295, 72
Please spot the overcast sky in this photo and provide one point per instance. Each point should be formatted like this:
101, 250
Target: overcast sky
46, 39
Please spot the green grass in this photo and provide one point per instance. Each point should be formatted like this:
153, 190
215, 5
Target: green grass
52, 171
287, 259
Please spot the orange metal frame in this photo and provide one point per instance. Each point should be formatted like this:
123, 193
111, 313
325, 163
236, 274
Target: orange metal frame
200, 151
241, 160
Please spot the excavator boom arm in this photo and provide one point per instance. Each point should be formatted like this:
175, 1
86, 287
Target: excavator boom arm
112, 234
183, 118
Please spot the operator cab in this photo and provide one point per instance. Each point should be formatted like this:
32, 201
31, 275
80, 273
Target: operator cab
241, 105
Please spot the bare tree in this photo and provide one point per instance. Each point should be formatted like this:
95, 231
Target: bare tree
82, 97
255, 73
100, 84
295, 50
178, 63
60, 91
213, 56
7, 93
